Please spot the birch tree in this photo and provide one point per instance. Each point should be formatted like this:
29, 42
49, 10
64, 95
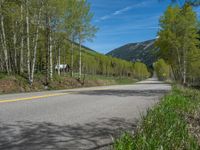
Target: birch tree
190, 2
22, 38
84, 28
178, 38
3, 37
37, 22
29, 29
70, 26
53, 12
27, 4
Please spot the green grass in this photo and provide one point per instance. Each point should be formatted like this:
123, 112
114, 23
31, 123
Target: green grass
116, 80
16, 83
125, 81
165, 126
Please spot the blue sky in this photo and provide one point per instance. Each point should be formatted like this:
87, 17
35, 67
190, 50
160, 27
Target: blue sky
125, 21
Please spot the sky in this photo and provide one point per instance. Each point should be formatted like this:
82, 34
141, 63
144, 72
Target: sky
124, 21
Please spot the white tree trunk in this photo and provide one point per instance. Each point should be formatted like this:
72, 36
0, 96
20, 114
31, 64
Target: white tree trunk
59, 61
49, 61
72, 58
4, 44
47, 50
50, 57
180, 70
22, 55
35, 47
22, 43
184, 68
80, 59
28, 42
14, 43
184, 63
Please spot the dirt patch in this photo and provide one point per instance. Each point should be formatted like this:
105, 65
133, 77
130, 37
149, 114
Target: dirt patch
194, 125
8, 86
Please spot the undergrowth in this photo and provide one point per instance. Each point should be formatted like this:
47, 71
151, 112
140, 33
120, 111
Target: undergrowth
165, 126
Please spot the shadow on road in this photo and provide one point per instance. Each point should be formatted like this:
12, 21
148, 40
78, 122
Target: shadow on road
35, 136
125, 93
153, 83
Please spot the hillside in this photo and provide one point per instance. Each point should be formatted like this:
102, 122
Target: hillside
142, 51
85, 48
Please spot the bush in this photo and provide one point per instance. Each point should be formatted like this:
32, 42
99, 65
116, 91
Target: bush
140, 71
162, 69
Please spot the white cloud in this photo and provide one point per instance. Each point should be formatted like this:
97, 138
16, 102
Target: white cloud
121, 11
118, 12
105, 17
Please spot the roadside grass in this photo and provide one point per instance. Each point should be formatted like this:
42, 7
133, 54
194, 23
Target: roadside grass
17, 83
116, 80
166, 126
126, 81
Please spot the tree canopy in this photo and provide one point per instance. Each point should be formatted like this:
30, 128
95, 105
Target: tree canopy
36, 36
178, 40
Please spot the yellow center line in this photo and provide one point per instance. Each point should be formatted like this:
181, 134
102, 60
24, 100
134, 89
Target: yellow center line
31, 98
44, 96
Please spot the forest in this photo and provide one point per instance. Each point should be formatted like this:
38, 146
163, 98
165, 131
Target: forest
47, 37
179, 45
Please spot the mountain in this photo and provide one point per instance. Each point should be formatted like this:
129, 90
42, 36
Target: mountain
87, 49
141, 51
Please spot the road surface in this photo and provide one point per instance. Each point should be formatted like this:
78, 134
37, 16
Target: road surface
78, 119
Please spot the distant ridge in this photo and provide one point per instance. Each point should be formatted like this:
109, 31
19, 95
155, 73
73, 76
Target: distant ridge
141, 51
85, 47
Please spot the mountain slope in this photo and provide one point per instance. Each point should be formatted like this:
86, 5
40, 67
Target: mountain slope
142, 51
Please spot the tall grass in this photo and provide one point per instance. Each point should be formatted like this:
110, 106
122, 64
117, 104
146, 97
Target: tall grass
165, 126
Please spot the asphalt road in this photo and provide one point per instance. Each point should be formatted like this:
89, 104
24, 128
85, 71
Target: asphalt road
78, 119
